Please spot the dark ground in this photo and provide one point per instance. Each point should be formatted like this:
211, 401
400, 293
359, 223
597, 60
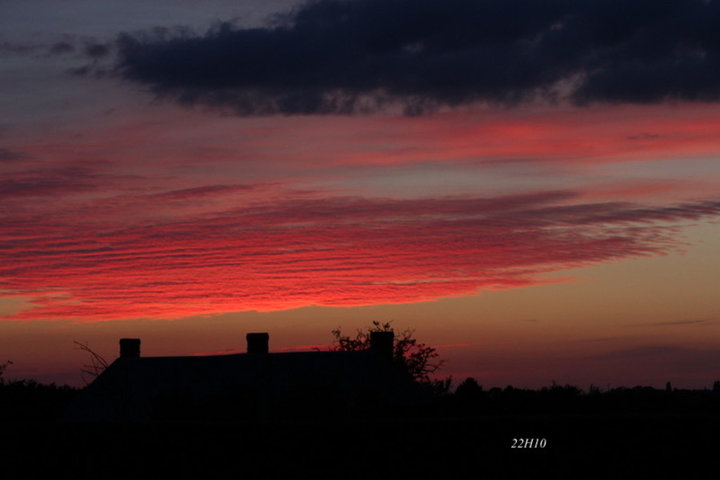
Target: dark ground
578, 447
633, 433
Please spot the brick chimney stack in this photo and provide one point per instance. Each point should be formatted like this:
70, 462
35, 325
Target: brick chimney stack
129, 348
257, 342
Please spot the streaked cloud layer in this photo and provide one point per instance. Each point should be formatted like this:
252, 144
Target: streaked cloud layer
279, 254
165, 213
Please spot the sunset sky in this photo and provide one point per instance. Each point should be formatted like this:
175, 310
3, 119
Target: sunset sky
532, 186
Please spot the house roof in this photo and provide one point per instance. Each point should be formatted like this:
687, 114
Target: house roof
131, 387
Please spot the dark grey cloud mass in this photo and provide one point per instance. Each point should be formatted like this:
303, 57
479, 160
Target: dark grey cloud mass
335, 56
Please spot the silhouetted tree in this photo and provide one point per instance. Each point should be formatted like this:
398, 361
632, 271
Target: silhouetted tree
469, 388
96, 366
416, 358
28, 400
3, 367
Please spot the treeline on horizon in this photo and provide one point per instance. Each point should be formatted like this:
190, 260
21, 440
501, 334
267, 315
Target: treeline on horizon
28, 400
638, 432
470, 398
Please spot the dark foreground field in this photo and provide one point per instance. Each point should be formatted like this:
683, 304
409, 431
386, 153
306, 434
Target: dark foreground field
626, 433
578, 446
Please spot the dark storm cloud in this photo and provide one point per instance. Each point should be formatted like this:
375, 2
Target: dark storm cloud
334, 56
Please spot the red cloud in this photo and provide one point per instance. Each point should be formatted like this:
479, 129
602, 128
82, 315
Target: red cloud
575, 136
147, 220
325, 251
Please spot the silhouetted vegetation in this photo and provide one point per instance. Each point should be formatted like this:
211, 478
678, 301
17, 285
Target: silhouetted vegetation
3, 367
593, 433
98, 364
417, 359
471, 399
30, 401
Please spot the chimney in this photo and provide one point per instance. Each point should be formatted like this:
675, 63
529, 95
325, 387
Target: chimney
382, 342
257, 342
129, 348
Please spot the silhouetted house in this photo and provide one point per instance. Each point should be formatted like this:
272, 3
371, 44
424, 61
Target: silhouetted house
241, 386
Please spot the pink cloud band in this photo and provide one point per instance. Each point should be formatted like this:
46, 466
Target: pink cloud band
283, 254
